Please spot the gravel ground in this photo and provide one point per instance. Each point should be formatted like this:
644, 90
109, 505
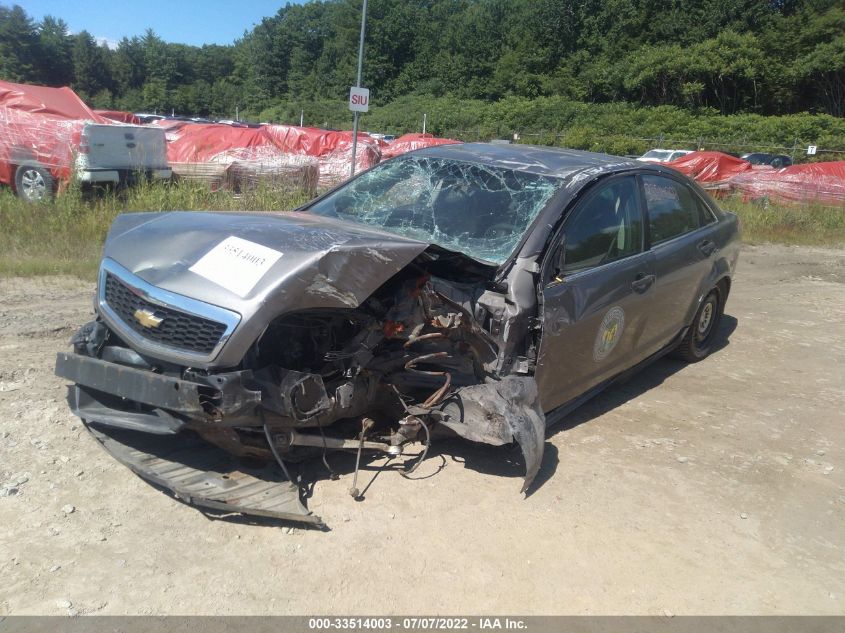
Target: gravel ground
711, 488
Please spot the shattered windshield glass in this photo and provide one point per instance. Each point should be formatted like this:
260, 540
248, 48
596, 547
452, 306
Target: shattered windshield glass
478, 210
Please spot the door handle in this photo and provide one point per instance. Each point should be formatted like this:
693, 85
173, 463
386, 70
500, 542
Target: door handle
707, 247
642, 282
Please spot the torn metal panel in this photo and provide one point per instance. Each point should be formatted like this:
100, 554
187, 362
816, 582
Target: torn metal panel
97, 407
499, 413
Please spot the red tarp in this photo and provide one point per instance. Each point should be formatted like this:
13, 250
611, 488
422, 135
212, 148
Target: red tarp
332, 148
40, 124
243, 156
409, 142
814, 182
712, 170
120, 116
313, 141
200, 143
207, 142
62, 103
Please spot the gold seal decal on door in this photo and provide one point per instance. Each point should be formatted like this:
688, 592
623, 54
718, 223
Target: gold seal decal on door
610, 331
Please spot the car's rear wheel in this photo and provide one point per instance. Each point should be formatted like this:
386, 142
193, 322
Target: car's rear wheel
698, 341
33, 183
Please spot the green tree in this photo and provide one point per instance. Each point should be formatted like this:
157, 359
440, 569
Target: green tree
154, 95
55, 61
18, 45
90, 73
731, 66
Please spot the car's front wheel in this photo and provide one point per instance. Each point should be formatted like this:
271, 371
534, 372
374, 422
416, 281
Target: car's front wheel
698, 341
33, 183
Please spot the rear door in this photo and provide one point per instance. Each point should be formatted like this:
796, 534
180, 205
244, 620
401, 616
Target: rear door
595, 301
679, 231
125, 147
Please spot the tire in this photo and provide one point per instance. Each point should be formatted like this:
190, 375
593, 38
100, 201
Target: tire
33, 183
698, 341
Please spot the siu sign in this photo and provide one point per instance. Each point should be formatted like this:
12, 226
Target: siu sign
359, 99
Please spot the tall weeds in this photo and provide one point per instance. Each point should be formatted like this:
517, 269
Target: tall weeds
65, 235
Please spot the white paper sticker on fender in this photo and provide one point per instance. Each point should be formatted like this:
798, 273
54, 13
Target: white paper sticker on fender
236, 264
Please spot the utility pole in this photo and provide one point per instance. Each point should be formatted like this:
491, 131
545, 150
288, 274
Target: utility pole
301, 118
358, 85
425, 116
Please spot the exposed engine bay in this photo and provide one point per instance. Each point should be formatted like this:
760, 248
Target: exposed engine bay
425, 356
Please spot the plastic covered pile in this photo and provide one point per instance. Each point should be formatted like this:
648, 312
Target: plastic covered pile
43, 125
410, 142
308, 156
823, 183
714, 171
119, 116
235, 157
332, 149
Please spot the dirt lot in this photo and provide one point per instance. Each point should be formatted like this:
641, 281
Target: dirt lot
712, 488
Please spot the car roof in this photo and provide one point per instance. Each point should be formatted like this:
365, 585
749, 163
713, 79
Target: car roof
546, 161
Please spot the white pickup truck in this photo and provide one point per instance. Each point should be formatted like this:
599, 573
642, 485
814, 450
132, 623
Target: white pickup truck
121, 153
49, 136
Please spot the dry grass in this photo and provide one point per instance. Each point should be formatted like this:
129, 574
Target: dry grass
806, 225
65, 236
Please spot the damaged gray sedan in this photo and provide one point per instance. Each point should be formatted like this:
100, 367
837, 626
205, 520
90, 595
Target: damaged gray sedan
479, 291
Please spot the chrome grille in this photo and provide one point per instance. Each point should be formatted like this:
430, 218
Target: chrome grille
177, 329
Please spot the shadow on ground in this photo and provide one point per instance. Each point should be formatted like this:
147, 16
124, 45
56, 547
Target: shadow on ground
506, 461
500, 461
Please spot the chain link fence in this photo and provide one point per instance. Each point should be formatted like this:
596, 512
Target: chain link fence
630, 145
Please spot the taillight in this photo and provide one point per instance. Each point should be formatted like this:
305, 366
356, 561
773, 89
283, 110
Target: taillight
83, 144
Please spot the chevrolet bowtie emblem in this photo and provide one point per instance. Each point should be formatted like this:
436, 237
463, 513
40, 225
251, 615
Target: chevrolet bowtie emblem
147, 318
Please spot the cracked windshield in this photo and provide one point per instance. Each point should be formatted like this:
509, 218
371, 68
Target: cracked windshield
477, 210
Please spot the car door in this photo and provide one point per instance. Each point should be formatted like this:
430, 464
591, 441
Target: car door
597, 282
683, 248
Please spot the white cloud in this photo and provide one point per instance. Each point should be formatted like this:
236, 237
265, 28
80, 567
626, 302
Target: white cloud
112, 44
100, 40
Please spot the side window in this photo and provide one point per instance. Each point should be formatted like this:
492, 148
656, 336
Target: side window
673, 209
607, 227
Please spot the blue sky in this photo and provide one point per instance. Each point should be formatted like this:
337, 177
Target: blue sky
184, 21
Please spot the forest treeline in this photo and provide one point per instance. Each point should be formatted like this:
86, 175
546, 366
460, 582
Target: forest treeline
761, 57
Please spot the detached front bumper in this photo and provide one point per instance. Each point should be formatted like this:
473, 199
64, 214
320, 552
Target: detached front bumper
108, 393
138, 385
115, 402
202, 475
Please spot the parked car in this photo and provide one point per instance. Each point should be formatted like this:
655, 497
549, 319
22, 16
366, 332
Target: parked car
146, 117
775, 160
478, 290
49, 136
663, 155
387, 138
